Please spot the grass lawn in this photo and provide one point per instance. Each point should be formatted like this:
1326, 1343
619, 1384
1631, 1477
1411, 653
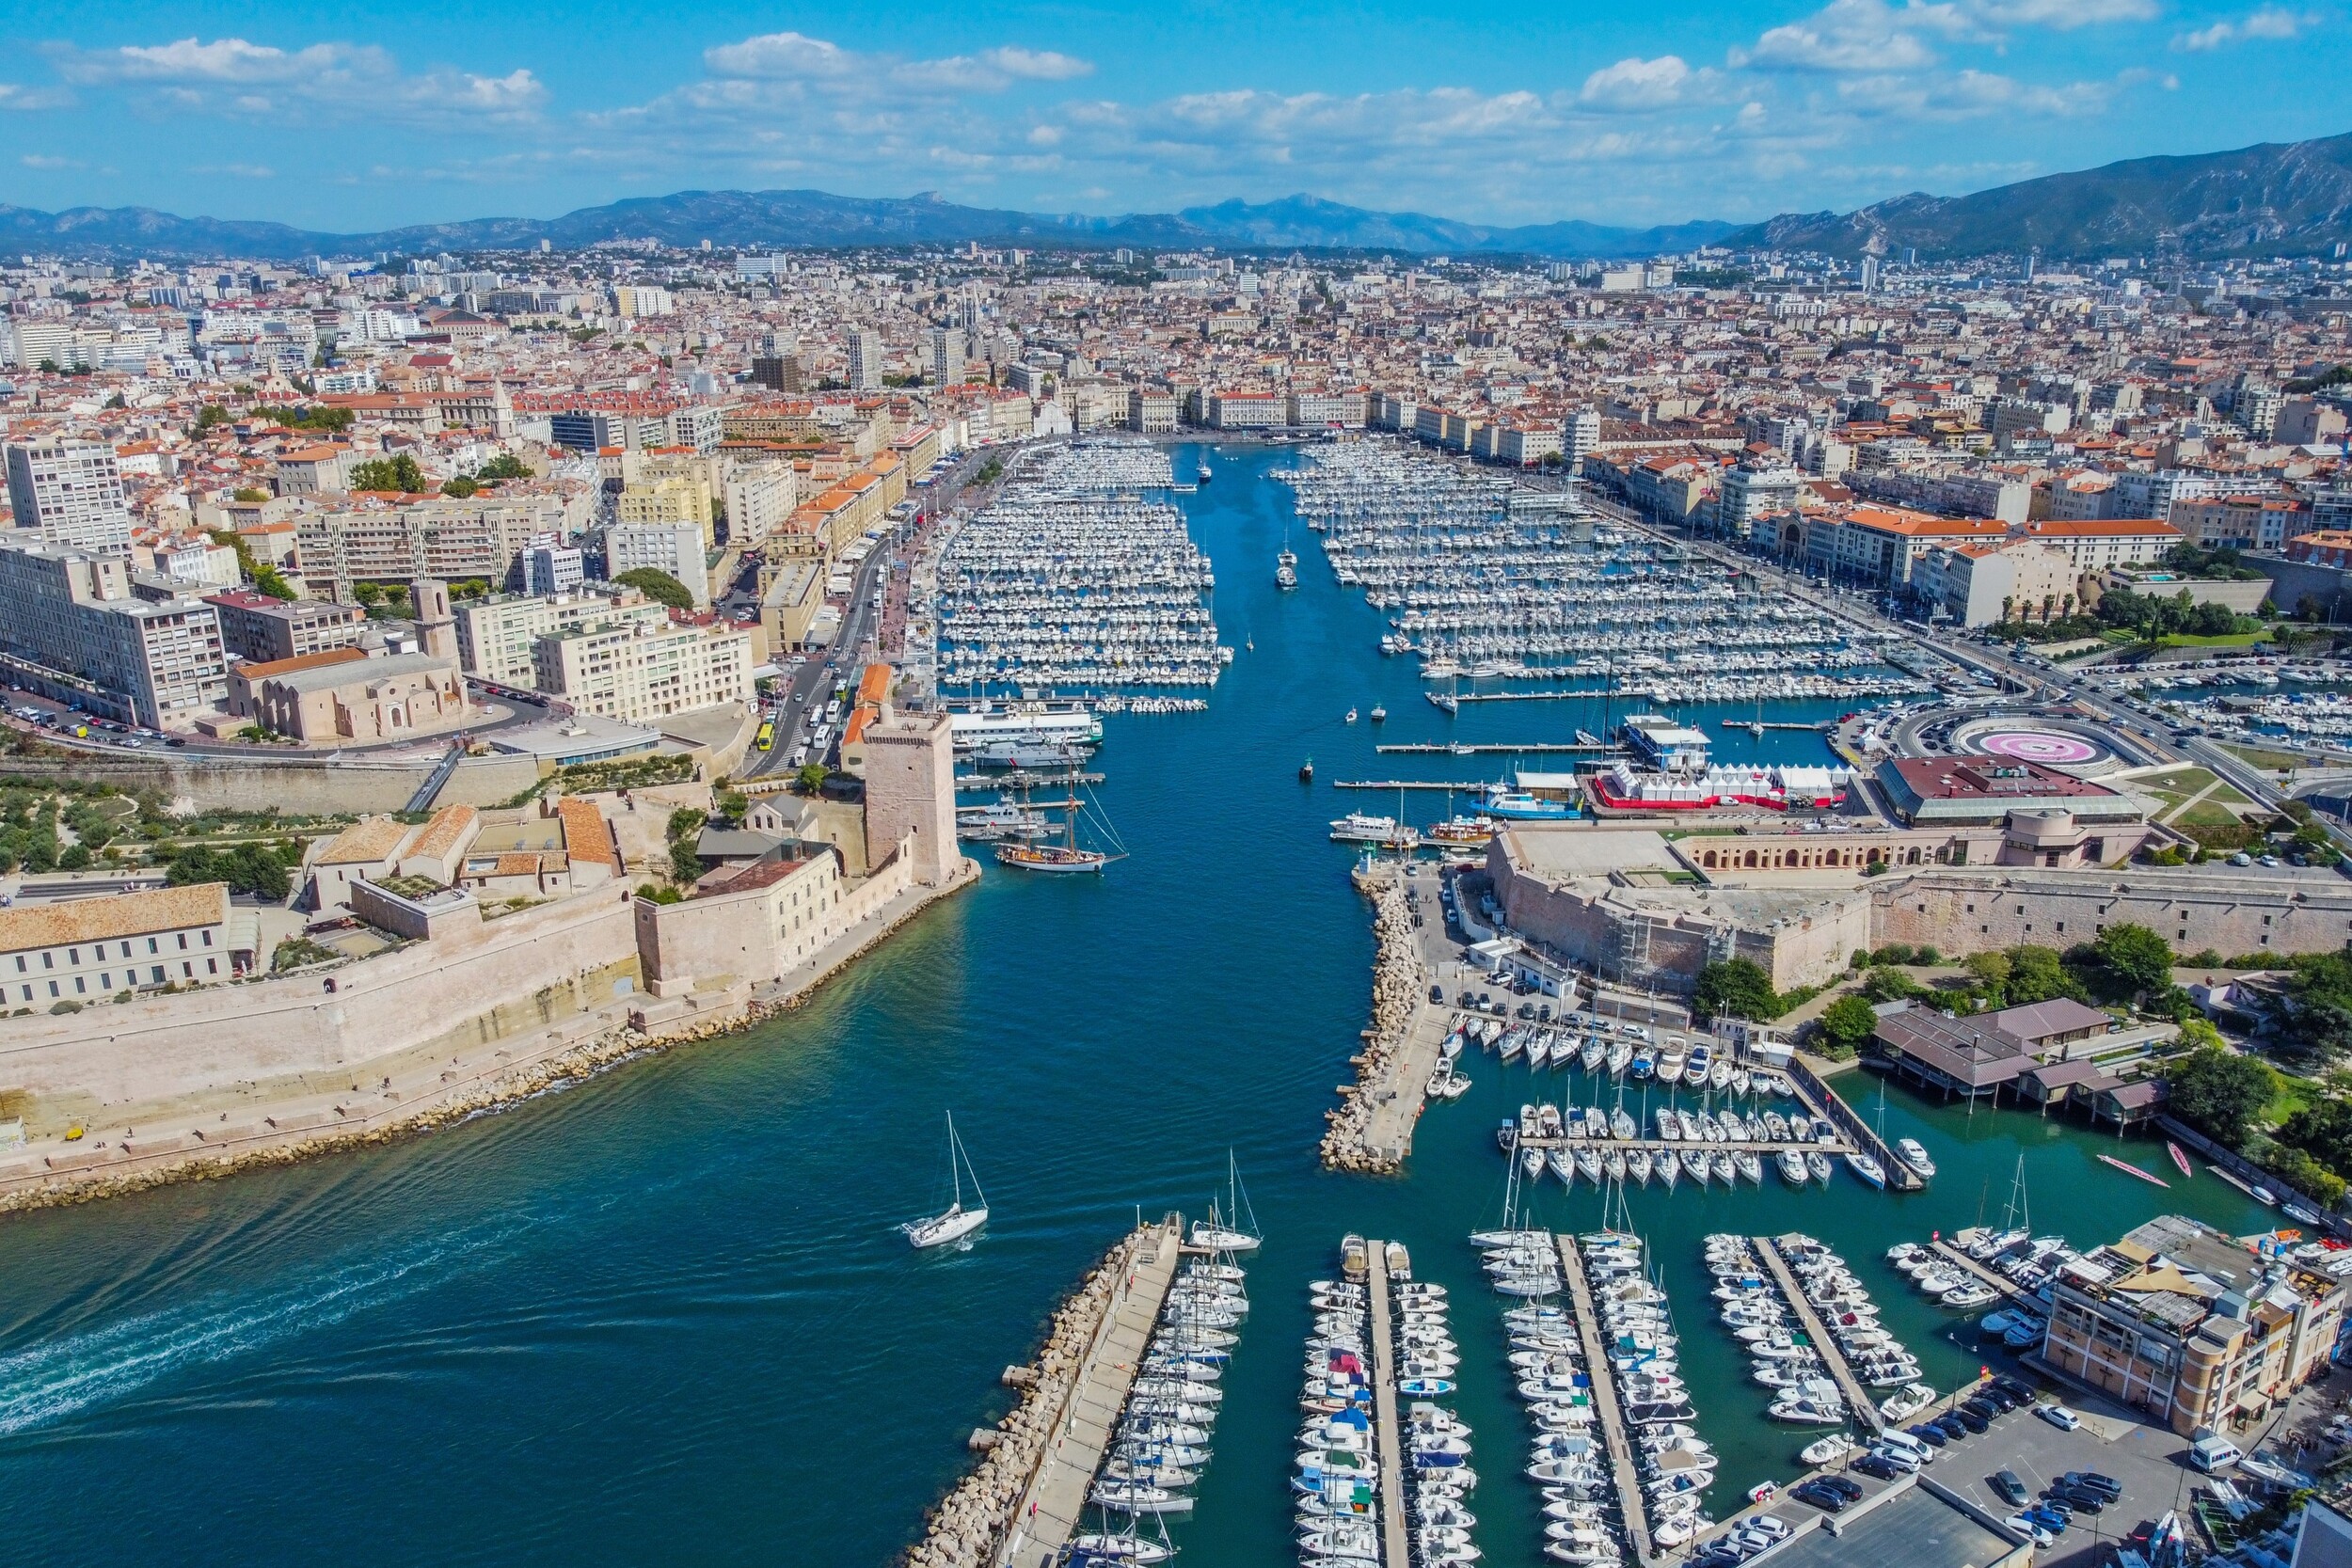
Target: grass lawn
2275, 761
2293, 1095
2227, 639
2207, 813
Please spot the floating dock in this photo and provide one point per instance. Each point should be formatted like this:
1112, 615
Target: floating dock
1020, 779
1632, 1504
1388, 1437
1047, 1511
1465, 748
1974, 1270
1864, 1405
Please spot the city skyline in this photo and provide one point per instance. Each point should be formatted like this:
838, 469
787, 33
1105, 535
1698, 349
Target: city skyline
363, 118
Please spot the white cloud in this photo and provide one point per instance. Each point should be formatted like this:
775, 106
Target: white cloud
798, 58
13, 96
2062, 15
319, 80
1973, 94
1856, 35
1635, 83
237, 172
47, 161
2270, 23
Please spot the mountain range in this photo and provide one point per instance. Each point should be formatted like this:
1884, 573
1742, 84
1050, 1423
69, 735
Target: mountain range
2275, 197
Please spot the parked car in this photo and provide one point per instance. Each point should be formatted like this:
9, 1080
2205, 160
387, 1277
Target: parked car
1876, 1464
1973, 1420
2059, 1417
2094, 1481
1825, 1499
2012, 1490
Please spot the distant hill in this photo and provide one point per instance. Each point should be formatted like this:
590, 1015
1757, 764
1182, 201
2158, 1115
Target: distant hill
2277, 199
810, 219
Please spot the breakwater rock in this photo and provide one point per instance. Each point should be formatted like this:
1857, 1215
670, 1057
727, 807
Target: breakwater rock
1399, 982
969, 1524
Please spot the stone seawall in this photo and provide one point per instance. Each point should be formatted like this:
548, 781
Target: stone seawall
576, 1046
972, 1521
295, 785
1399, 982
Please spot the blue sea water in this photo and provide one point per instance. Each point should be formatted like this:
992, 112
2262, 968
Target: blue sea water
662, 1314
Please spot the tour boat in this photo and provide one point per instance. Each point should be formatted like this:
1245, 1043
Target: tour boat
956, 1221
1520, 806
1913, 1154
1378, 713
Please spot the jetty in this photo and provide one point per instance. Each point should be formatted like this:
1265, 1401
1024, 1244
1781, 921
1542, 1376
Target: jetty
1388, 1438
1632, 1504
1859, 1399
1976, 1271
1468, 748
1047, 1510
1019, 778
1372, 1128
1456, 785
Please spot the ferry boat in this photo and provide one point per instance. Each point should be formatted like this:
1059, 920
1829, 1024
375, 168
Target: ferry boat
1519, 806
1357, 828
1031, 724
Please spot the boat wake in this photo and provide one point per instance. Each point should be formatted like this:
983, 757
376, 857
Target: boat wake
53, 1380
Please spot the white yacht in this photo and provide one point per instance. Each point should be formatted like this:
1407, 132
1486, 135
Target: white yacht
956, 1221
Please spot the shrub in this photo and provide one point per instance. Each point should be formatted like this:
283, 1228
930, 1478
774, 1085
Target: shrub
1845, 1024
1737, 988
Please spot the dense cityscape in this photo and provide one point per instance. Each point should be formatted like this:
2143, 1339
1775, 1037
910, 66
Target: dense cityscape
512, 723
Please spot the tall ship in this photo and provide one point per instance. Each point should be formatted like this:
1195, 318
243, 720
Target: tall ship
1027, 723
1064, 857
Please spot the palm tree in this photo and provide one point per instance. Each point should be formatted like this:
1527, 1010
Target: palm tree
2066, 607
2049, 602
2009, 607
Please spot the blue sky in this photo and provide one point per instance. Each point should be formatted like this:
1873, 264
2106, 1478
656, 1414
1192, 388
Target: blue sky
370, 114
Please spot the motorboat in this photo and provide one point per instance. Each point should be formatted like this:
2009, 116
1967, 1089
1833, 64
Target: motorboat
1911, 1152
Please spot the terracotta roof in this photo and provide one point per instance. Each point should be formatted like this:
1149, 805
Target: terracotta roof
442, 833
2100, 528
120, 914
274, 668
370, 839
585, 835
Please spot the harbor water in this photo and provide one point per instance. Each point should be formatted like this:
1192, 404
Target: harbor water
662, 1314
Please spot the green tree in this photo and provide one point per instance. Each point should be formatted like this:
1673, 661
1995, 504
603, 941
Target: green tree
2140, 960
1845, 1024
2220, 1092
2038, 974
2323, 1129
398, 473
659, 586
1888, 984
249, 494
1735, 987
504, 465
1991, 971
368, 594
211, 417
812, 777
459, 488
76, 857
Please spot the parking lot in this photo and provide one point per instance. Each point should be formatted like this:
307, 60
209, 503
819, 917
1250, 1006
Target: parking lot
2149, 1462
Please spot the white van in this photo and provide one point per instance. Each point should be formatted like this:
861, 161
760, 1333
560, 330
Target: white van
2211, 1454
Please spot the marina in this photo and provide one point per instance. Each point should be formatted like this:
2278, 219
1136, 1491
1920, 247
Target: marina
712, 1236
1071, 580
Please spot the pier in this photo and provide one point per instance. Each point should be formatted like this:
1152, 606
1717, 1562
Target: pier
1457, 785
1046, 1511
1899, 1176
1632, 1504
1021, 778
1858, 1395
1465, 748
1974, 1270
1372, 1128
1388, 1438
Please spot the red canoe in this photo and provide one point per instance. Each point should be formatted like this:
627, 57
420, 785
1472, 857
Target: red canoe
2180, 1159
2127, 1165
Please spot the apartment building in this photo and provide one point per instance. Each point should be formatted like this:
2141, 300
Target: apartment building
385, 540
2093, 545
264, 630
1328, 408
1747, 496
638, 672
2242, 522
1156, 413
68, 494
1245, 410
72, 628
497, 636
1980, 584
2181, 1320
675, 547
666, 499
759, 499
1879, 545
865, 360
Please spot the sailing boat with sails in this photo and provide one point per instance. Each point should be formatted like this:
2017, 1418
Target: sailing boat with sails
956, 1221
1065, 856
1222, 1232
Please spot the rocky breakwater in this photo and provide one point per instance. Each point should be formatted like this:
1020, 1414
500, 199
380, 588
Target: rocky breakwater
969, 1524
1369, 1128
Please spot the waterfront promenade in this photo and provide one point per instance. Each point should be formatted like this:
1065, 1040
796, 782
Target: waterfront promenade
1047, 1511
1388, 1438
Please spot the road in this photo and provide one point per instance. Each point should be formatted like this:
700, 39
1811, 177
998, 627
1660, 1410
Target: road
810, 684
2033, 680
